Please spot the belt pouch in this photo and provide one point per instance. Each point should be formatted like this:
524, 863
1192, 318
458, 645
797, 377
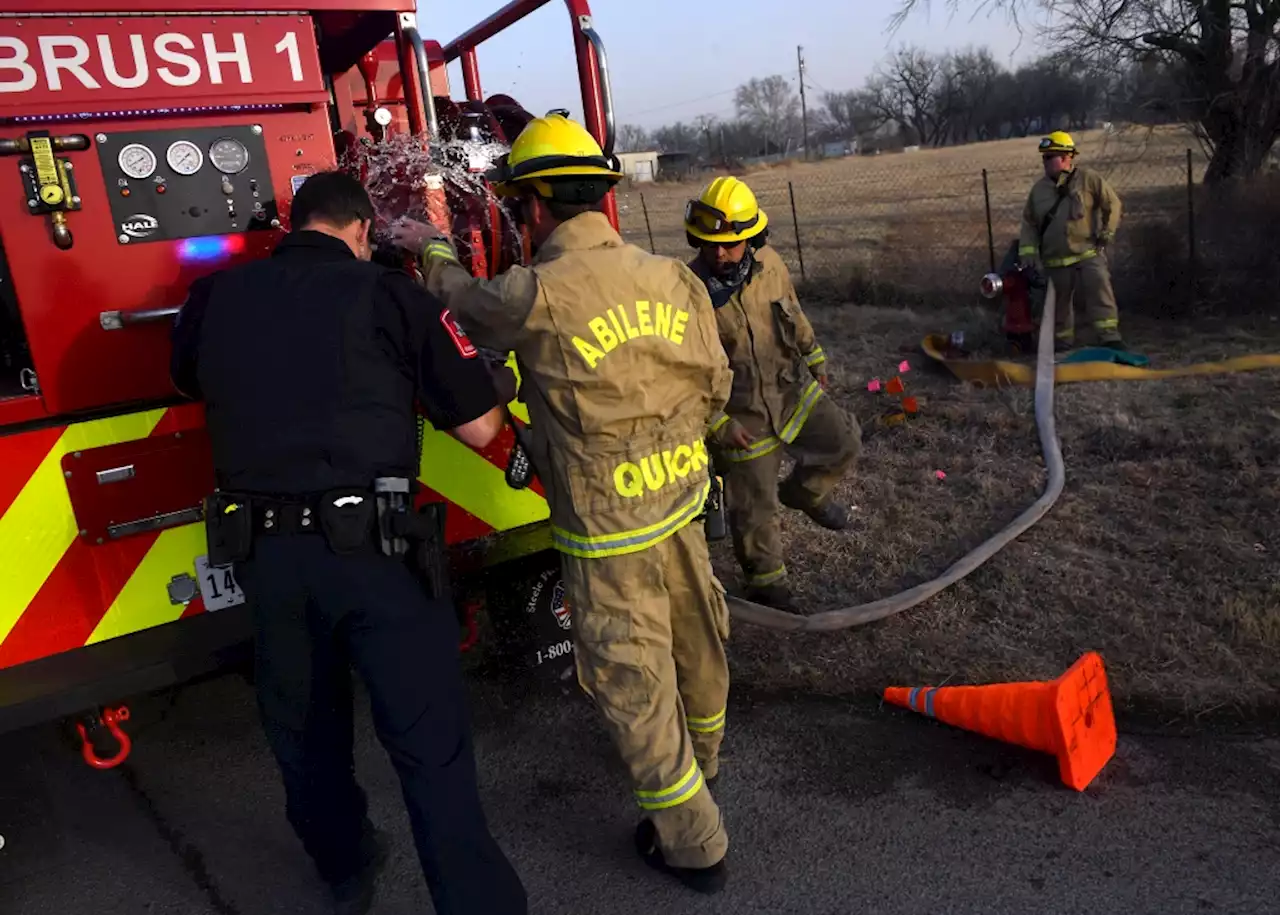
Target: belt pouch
347, 519
228, 524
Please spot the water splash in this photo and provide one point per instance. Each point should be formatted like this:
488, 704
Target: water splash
398, 170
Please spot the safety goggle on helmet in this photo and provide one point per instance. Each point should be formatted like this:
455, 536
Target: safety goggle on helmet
1057, 143
713, 222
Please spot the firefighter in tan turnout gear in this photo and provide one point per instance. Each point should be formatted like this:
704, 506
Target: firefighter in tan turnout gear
623, 372
1071, 216
777, 405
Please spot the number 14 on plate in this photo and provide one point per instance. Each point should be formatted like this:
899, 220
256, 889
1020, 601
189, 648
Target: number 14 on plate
218, 585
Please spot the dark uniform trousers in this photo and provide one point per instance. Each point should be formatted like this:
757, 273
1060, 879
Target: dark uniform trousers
316, 614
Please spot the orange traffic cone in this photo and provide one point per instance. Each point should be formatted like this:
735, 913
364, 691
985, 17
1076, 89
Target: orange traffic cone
1070, 717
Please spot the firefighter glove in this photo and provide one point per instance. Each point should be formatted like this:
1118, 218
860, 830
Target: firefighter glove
422, 238
734, 435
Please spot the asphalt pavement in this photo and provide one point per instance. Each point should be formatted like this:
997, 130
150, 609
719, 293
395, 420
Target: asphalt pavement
833, 807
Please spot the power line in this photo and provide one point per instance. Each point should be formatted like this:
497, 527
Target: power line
636, 114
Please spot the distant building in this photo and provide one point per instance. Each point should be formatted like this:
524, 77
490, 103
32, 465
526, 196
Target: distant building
639, 166
838, 148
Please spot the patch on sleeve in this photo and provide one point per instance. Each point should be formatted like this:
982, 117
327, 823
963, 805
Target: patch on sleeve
465, 347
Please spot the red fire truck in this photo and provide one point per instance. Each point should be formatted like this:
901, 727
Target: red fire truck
145, 143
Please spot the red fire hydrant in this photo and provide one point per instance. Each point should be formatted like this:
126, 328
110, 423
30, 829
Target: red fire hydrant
1015, 285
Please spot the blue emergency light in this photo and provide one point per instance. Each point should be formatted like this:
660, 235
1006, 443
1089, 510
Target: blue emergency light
209, 249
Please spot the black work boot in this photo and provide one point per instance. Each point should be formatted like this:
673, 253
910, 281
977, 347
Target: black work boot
354, 896
706, 880
830, 514
776, 595
1063, 346
1116, 344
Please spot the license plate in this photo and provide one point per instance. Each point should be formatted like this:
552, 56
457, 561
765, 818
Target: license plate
218, 585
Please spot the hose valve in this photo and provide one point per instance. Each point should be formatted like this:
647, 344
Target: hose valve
49, 182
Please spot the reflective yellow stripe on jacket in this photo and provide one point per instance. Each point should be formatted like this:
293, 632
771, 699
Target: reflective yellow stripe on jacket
1071, 260
790, 429
633, 541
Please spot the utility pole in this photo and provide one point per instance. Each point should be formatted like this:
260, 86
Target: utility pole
804, 109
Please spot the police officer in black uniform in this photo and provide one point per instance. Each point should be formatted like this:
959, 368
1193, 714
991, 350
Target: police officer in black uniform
309, 363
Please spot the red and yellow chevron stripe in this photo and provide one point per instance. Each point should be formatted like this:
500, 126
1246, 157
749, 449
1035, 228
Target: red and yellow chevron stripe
59, 591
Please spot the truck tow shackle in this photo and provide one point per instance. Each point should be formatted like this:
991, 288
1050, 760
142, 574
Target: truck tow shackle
100, 735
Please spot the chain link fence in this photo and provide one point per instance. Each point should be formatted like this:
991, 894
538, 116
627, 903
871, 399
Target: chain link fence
921, 228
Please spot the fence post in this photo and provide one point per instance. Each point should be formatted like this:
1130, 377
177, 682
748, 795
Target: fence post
644, 206
1194, 291
795, 221
991, 239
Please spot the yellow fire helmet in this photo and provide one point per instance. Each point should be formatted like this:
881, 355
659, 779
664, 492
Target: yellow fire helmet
548, 154
725, 213
1058, 142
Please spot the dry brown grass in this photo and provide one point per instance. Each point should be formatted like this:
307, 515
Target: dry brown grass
910, 228
1162, 552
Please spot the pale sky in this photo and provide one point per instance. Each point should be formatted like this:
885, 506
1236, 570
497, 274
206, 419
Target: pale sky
676, 59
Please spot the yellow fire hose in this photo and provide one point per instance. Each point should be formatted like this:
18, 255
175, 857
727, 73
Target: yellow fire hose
1043, 376
1000, 373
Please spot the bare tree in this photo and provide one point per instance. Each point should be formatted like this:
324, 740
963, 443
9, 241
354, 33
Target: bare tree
633, 138
907, 89
739, 139
1224, 53
771, 106
974, 75
708, 127
847, 115
677, 137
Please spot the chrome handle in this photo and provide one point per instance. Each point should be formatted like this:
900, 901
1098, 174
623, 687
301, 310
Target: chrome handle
424, 79
118, 320
606, 91
116, 474
159, 522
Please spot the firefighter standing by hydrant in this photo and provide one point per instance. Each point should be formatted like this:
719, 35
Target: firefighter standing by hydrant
623, 373
1070, 218
777, 405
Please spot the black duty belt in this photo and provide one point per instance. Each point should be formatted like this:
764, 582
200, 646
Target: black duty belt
351, 520
273, 516
293, 514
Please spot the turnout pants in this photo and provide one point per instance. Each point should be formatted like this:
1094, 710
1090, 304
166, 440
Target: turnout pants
315, 614
824, 450
1087, 284
649, 629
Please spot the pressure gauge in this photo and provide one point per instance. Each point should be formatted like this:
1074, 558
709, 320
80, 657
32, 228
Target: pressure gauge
137, 161
382, 117
229, 156
184, 157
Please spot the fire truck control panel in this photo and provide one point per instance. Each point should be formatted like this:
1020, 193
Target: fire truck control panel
188, 184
